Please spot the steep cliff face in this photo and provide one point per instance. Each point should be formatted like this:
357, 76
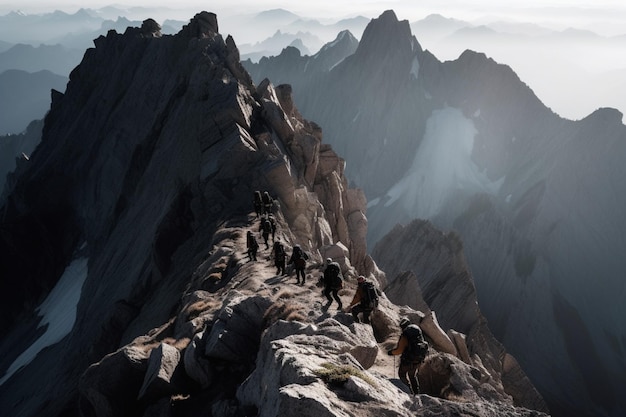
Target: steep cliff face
128, 289
427, 271
14, 148
535, 198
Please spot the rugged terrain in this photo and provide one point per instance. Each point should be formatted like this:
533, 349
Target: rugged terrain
536, 199
137, 202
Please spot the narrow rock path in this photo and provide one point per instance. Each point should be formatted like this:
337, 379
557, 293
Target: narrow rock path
309, 296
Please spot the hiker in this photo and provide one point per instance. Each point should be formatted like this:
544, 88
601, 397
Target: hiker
298, 259
267, 203
258, 204
265, 228
333, 282
279, 258
252, 245
365, 300
272, 220
413, 349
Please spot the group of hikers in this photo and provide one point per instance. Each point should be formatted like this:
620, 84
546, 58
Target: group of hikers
263, 203
411, 345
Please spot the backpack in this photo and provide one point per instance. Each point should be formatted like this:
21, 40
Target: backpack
370, 295
417, 349
279, 252
266, 226
335, 277
267, 199
299, 258
252, 243
272, 223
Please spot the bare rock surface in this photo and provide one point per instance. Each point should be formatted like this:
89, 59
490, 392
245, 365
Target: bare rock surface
146, 170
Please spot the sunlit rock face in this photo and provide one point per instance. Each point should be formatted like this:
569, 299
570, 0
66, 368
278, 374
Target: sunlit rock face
536, 199
157, 141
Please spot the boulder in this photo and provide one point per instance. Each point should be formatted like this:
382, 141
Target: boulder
161, 366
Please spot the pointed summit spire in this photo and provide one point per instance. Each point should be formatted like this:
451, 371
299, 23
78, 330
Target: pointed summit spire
387, 37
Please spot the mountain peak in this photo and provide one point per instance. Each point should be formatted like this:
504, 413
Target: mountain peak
386, 38
202, 25
607, 116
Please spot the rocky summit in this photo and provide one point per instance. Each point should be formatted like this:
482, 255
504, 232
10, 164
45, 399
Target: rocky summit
127, 289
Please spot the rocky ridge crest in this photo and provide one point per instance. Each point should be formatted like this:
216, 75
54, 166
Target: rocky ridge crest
146, 168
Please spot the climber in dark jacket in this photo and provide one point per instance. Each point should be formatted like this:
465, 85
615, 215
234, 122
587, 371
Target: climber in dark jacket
252, 245
298, 259
332, 282
363, 301
413, 349
280, 256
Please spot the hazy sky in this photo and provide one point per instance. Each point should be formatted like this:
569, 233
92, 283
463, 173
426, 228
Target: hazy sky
568, 12
573, 79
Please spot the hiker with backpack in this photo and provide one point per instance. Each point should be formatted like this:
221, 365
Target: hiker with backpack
272, 220
279, 258
258, 203
365, 300
298, 259
252, 246
265, 228
268, 201
333, 282
413, 349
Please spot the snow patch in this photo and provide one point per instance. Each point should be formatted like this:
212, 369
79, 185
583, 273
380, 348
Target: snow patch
373, 203
58, 312
441, 165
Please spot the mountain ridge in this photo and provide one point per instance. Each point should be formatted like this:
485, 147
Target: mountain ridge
145, 174
467, 145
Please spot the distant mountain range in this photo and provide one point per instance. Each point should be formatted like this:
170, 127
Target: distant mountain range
567, 64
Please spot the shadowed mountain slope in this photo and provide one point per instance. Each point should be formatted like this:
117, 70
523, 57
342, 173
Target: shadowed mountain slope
537, 199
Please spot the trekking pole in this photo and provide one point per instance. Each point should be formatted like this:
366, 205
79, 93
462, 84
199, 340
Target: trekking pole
393, 373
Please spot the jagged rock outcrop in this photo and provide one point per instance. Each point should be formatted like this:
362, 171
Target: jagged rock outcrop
289, 66
138, 201
427, 270
467, 145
